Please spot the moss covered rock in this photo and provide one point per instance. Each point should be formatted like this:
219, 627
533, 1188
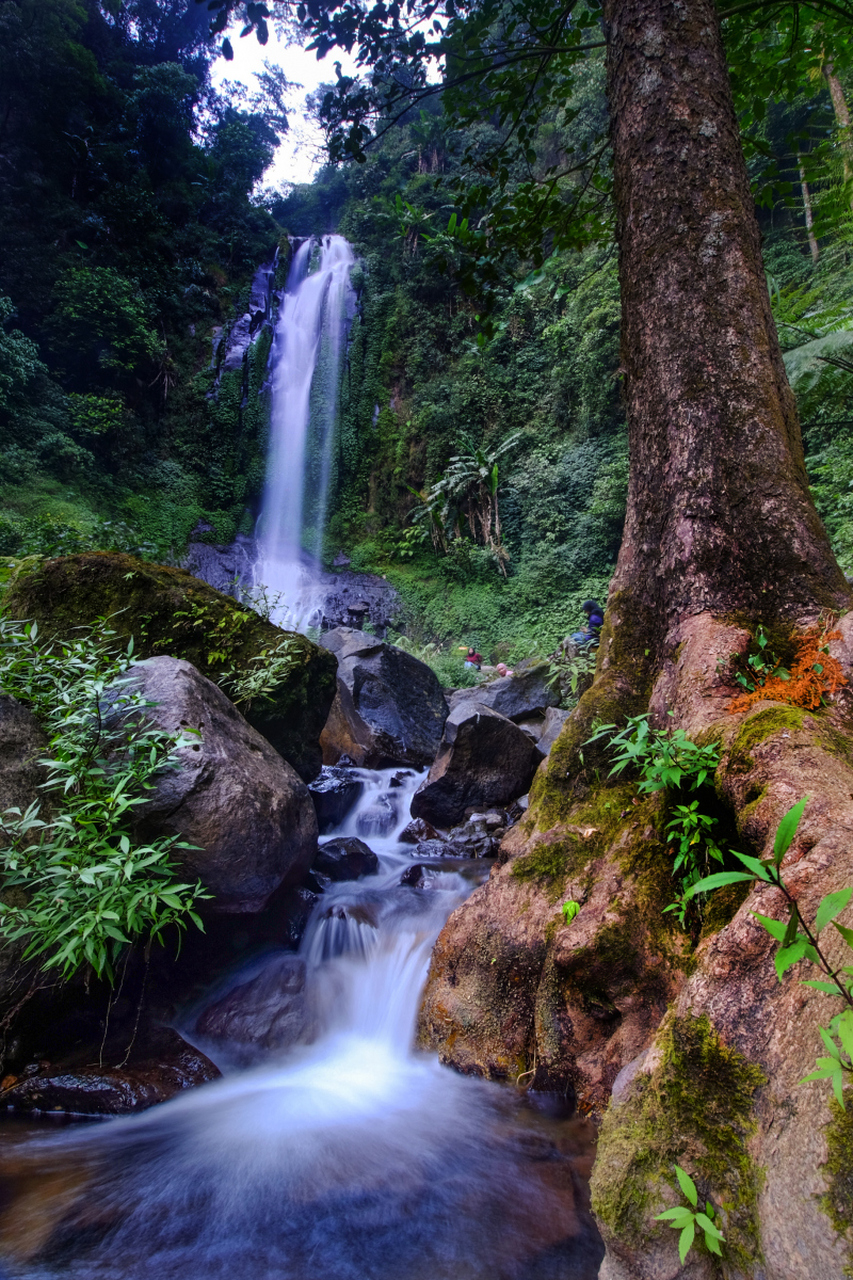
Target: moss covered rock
168, 611
516, 992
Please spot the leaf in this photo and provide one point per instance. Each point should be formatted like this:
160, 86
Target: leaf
709, 1227
776, 928
847, 934
685, 1240
677, 1216
830, 988
688, 1186
716, 881
831, 906
786, 957
787, 829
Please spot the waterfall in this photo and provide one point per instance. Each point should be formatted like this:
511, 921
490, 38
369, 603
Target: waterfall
305, 361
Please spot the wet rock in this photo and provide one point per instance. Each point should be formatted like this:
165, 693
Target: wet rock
233, 796
346, 858
437, 849
418, 830
480, 836
266, 1014
555, 718
484, 759
334, 793
389, 707
168, 611
115, 1090
419, 877
517, 696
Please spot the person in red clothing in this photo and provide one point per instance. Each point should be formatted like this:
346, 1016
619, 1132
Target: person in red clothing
473, 659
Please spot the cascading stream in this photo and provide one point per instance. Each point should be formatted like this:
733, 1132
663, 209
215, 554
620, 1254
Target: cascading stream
309, 342
348, 1156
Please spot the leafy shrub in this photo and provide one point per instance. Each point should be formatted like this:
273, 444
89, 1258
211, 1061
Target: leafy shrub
91, 888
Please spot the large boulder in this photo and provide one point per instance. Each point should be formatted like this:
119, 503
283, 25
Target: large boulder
168, 611
389, 707
515, 696
263, 1014
233, 796
484, 760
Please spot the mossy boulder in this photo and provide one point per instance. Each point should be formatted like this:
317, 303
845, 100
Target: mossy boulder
169, 612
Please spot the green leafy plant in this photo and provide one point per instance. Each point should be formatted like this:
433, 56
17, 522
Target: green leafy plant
761, 665
686, 1218
90, 886
667, 760
267, 670
568, 671
570, 909
800, 941
663, 757
690, 832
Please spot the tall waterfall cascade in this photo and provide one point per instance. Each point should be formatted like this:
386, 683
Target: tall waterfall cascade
305, 361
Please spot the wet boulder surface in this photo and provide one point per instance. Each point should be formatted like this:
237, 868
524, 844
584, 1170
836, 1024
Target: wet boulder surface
389, 708
233, 796
168, 611
267, 1013
334, 793
105, 1089
345, 858
484, 760
522, 694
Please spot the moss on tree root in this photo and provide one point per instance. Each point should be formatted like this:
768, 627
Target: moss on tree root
837, 1200
695, 1110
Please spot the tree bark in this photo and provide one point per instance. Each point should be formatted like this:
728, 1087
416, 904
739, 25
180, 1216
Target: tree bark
814, 249
719, 520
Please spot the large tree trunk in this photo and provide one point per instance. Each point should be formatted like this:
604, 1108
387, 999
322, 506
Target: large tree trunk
721, 534
719, 515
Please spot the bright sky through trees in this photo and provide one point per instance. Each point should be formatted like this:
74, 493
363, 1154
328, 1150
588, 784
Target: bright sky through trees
300, 154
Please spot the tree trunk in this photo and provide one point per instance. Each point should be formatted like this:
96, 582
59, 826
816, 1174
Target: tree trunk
720, 520
721, 534
807, 210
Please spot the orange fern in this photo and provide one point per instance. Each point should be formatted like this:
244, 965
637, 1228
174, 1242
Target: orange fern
814, 675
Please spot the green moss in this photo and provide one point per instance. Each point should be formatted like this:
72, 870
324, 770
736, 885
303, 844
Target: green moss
695, 1110
168, 611
757, 729
722, 906
837, 1200
555, 861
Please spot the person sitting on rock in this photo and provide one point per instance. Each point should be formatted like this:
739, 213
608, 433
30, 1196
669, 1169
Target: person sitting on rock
473, 660
595, 621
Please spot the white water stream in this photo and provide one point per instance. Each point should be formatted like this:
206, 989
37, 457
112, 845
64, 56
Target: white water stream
309, 342
352, 1157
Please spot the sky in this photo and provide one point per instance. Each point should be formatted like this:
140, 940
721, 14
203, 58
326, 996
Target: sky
299, 156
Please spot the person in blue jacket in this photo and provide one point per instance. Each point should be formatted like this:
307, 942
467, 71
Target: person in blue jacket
594, 623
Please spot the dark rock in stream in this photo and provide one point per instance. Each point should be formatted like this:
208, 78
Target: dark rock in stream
114, 1090
419, 830
518, 696
334, 793
389, 707
265, 1014
346, 858
484, 760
